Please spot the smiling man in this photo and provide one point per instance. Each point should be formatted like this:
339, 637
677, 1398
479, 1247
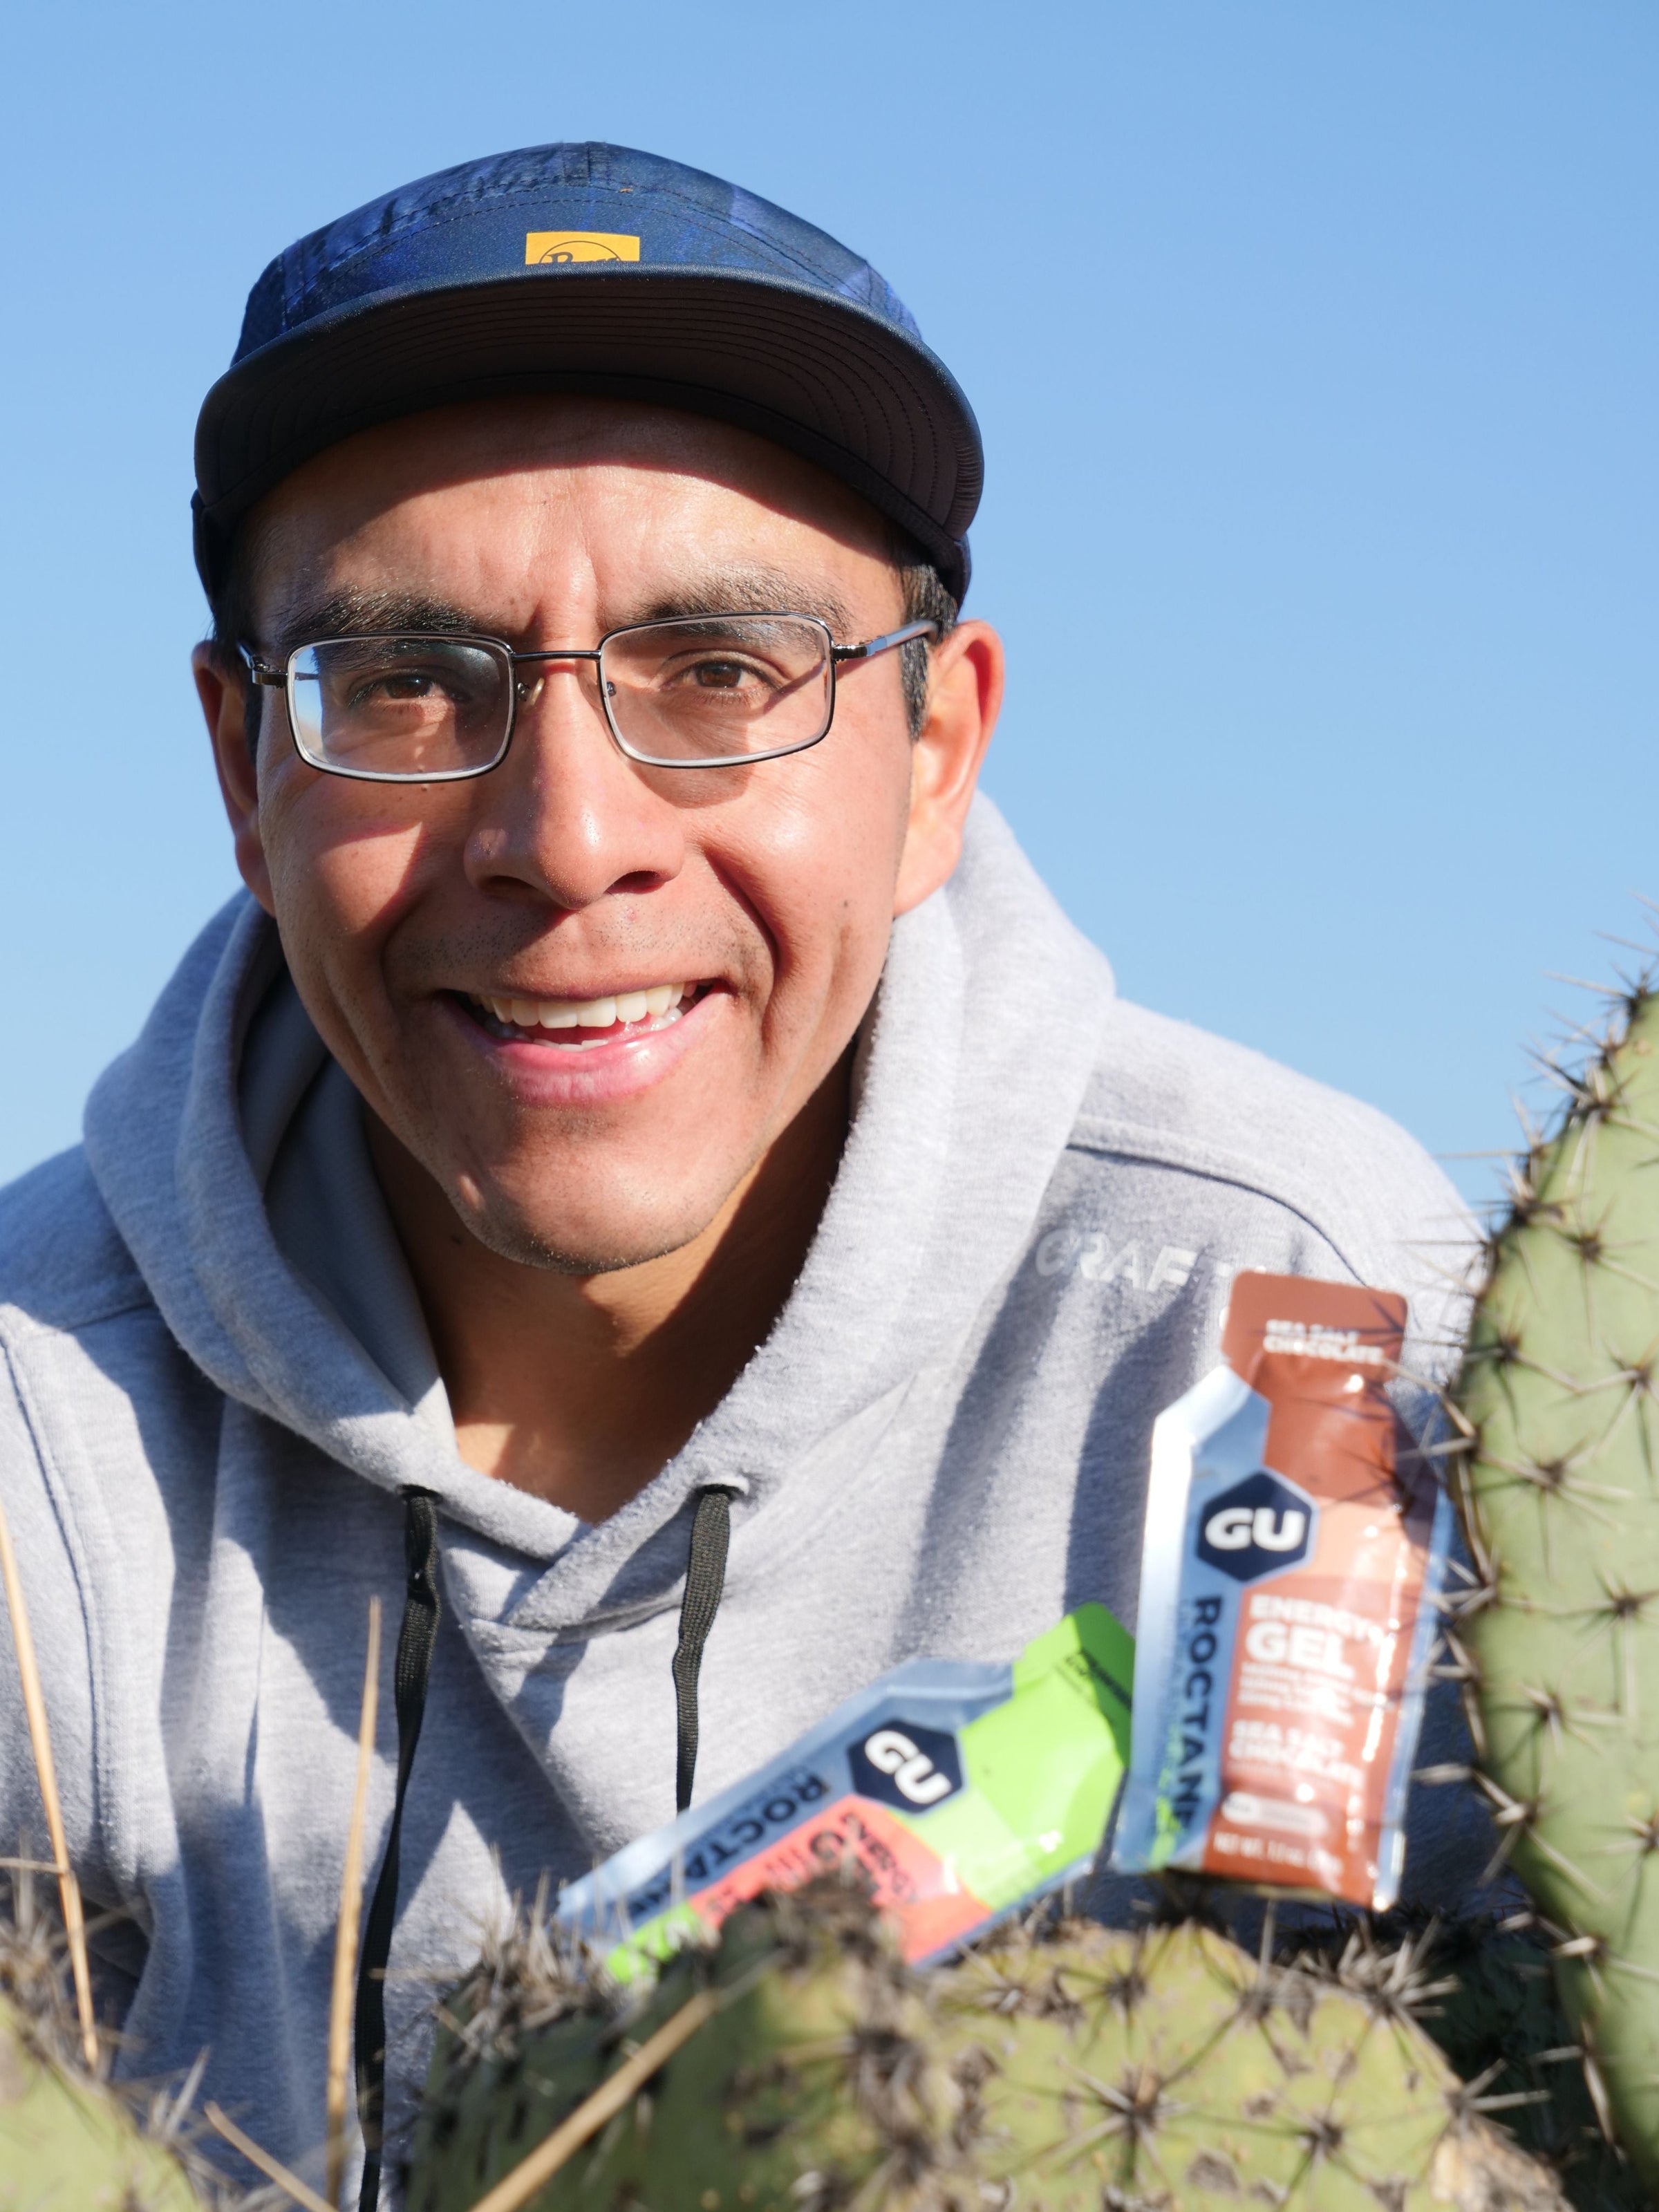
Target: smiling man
589, 925
646, 1183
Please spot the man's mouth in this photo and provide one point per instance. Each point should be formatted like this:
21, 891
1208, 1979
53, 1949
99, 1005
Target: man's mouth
577, 1025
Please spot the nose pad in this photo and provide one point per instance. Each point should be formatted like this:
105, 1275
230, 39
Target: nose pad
528, 690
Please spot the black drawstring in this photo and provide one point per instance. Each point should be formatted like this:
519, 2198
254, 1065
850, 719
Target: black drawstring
416, 1638
705, 1583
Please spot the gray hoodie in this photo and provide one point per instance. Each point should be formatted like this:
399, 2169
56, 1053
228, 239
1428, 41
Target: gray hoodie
215, 1381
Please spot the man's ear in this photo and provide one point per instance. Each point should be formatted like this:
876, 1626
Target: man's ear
224, 700
964, 694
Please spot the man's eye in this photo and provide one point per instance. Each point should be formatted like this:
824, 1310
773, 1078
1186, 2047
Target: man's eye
395, 685
722, 675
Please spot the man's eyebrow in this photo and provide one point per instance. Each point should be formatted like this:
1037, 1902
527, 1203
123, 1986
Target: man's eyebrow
726, 592
365, 614
749, 591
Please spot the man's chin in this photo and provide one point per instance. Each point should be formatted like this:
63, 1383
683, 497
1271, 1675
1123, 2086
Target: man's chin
580, 1243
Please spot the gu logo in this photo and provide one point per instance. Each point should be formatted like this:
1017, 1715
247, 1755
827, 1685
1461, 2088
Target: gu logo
913, 1768
1259, 1527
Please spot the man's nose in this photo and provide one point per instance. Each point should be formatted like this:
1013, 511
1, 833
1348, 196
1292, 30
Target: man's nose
566, 818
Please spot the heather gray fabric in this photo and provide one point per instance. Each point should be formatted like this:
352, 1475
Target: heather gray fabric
216, 1379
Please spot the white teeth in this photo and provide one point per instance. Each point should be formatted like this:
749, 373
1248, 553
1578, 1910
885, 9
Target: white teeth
659, 1002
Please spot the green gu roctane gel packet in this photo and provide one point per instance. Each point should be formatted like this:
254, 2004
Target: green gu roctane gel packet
962, 1790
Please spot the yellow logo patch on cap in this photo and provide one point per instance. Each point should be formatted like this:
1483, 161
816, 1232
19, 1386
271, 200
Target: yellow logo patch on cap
540, 246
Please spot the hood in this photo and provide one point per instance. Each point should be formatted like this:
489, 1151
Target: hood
229, 1150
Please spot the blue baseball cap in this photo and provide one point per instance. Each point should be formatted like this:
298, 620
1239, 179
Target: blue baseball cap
590, 269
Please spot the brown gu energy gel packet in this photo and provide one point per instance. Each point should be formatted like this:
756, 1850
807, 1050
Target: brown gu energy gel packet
1295, 1546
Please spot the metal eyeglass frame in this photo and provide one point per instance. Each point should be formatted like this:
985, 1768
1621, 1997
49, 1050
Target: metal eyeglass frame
263, 674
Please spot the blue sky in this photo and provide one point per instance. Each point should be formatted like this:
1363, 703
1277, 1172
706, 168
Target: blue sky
1313, 342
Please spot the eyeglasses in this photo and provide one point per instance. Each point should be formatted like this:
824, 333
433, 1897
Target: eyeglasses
701, 691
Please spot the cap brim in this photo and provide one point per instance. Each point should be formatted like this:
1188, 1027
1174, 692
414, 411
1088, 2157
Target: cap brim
822, 376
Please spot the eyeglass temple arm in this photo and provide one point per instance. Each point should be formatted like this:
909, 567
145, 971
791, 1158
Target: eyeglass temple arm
876, 645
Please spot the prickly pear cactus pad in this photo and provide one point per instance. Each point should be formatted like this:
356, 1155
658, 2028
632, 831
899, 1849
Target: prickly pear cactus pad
1076, 2071
69, 2140
1560, 1488
530, 2033
813, 2079
1170, 2069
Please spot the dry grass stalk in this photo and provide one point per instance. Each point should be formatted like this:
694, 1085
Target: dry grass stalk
517, 2187
345, 1940
272, 2168
34, 1707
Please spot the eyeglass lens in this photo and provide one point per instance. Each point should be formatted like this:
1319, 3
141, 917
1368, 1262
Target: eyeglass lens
698, 691
399, 706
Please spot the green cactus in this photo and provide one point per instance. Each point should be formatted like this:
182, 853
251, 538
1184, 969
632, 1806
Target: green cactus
68, 2140
1072, 2068
1558, 1482
1171, 2070
820, 2040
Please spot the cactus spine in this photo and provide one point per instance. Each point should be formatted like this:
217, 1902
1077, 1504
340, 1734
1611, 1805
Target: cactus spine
1559, 1486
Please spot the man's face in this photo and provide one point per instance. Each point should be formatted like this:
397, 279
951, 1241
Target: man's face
750, 906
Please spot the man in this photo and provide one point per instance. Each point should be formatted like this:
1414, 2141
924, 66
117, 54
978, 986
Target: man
646, 1131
